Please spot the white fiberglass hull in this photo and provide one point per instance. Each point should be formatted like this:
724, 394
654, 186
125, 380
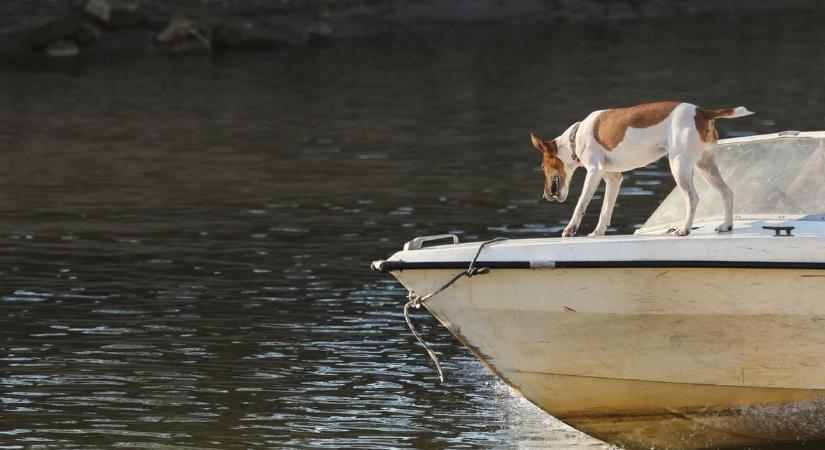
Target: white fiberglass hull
699, 358
662, 357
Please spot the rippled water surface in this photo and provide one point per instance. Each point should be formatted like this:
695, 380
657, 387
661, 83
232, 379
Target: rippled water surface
185, 241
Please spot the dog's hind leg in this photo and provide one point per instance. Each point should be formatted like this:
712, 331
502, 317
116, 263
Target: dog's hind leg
710, 172
591, 182
612, 182
682, 168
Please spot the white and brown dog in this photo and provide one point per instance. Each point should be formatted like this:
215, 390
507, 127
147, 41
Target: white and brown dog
612, 141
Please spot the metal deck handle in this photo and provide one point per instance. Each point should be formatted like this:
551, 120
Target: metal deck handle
778, 230
419, 242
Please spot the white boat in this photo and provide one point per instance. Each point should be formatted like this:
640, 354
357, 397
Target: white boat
652, 340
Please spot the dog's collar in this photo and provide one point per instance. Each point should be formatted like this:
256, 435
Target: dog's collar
576, 161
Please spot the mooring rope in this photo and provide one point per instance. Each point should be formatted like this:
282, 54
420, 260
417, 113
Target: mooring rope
416, 301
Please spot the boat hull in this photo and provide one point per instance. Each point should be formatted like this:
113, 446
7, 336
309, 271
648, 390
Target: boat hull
651, 357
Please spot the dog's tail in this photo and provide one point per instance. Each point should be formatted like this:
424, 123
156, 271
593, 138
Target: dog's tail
727, 113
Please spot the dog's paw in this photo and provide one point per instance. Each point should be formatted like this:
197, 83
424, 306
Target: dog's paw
596, 233
570, 231
724, 228
681, 231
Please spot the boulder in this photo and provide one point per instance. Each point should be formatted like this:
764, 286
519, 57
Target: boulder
185, 32
115, 13
87, 33
189, 31
39, 34
56, 36
62, 48
234, 34
318, 33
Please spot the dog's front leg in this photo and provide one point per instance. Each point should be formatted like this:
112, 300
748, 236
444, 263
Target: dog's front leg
682, 169
710, 172
612, 182
591, 182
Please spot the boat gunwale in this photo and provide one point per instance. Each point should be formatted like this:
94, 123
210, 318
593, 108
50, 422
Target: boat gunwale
391, 266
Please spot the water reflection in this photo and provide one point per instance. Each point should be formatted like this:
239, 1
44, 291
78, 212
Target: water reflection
185, 241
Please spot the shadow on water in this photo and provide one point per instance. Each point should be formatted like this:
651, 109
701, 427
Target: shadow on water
186, 241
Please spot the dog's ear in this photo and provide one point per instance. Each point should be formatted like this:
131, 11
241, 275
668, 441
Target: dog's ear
538, 143
544, 146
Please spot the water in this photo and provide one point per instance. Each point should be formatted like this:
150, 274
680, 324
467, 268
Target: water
185, 241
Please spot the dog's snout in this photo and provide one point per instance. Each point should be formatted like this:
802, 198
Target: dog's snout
555, 185
550, 198
552, 190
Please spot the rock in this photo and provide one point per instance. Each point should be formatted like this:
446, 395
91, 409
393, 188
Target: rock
229, 34
40, 35
115, 13
87, 33
189, 31
63, 48
99, 9
185, 32
319, 33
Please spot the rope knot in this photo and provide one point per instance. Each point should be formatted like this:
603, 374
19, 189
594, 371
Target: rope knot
477, 271
414, 299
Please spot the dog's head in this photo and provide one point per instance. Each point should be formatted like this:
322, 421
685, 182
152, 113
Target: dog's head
556, 176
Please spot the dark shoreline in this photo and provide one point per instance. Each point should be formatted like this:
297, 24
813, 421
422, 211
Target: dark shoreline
68, 28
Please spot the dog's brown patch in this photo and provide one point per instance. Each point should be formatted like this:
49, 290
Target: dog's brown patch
704, 122
551, 148
611, 125
551, 162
